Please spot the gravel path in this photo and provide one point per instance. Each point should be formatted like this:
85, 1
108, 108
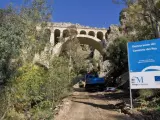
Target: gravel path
89, 106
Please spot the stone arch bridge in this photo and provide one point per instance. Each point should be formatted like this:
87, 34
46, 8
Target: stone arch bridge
95, 37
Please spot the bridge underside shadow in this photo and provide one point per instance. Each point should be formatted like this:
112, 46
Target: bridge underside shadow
88, 40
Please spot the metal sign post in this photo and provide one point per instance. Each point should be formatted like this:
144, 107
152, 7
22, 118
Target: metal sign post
130, 90
131, 99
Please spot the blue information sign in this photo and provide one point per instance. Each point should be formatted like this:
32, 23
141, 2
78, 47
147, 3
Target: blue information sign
144, 64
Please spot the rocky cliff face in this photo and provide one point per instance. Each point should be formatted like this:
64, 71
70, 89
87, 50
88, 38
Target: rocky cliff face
114, 32
44, 57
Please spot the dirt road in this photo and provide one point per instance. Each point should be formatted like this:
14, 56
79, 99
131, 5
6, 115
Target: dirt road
89, 106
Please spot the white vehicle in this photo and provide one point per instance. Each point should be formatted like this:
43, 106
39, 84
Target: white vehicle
110, 89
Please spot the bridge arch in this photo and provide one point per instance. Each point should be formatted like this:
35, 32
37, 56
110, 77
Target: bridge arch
83, 32
89, 40
65, 33
57, 34
47, 34
91, 33
100, 35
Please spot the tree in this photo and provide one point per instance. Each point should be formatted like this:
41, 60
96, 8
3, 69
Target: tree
117, 54
144, 12
19, 41
11, 37
18, 34
34, 13
126, 2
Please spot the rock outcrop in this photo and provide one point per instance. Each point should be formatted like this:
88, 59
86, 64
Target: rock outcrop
113, 32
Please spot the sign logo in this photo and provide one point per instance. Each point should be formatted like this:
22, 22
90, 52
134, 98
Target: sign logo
137, 79
157, 78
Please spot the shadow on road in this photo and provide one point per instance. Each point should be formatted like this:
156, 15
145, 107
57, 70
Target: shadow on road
83, 90
117, 95
79, 89
106, 107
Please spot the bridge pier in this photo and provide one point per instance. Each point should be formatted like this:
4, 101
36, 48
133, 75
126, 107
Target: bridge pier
52, 41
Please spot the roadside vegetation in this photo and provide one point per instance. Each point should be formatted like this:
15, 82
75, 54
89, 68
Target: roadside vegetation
32, 91
139, 21
29, 91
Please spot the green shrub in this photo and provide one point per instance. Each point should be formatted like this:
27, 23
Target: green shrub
3, 102
27, 87
14, 115
146, 93
117, 53
37, 91
59, 79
